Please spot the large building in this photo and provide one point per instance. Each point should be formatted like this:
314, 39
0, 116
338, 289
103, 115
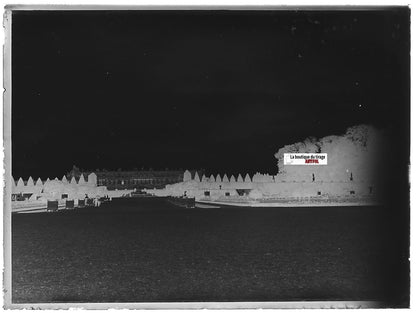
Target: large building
133, 179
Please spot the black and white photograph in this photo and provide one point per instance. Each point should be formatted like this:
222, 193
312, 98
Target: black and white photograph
206, 157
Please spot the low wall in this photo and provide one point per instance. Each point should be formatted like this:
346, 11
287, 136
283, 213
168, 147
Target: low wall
272, 189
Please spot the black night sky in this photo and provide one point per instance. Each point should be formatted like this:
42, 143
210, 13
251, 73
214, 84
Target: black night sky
217, 90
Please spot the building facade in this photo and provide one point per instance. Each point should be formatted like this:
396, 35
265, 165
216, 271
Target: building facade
133, 179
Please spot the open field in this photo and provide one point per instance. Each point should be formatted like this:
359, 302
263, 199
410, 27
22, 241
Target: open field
134, 250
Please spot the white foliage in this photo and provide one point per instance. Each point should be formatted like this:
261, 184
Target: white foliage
196, 178
30, 182
187, 176
218, 179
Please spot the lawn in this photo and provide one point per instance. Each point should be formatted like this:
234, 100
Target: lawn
145, 250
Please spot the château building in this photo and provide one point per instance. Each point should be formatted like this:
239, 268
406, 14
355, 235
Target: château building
131, 179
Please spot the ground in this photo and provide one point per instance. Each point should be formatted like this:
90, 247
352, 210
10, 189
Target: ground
145, 250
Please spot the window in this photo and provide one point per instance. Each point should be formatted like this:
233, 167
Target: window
352, 192
206, 193
227, 194
319, 193
26, 196
64, 196
243, 192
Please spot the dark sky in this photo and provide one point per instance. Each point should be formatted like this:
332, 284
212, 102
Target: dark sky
209, 89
